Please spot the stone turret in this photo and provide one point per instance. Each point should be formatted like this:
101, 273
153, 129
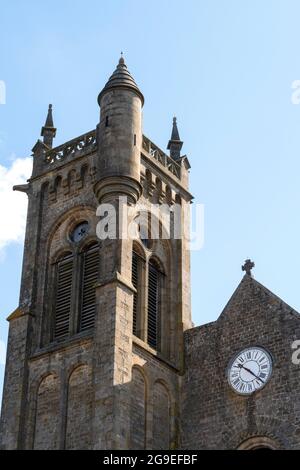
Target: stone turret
119, 136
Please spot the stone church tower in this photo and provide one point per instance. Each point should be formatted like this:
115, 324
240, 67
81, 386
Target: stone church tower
95, 348
102, 353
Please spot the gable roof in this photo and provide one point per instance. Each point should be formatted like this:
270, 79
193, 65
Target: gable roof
247, 287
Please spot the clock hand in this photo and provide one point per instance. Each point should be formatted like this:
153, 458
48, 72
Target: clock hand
250, 371
256, 376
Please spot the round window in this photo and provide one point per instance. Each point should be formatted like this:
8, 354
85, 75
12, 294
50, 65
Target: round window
79, 232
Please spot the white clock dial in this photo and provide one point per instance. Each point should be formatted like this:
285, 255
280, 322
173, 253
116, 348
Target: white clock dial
250, 370
79, 232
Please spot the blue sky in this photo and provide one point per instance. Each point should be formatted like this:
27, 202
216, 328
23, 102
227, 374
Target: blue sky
224, 68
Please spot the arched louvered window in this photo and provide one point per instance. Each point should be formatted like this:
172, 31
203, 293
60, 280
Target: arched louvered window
138, 281
135, 282
64, 275
90, 273
154, 284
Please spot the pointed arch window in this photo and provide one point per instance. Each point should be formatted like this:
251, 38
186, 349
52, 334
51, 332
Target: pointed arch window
154, 296
64, 276
90, 272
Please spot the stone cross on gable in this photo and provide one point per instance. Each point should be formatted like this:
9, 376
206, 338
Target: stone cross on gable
248, 266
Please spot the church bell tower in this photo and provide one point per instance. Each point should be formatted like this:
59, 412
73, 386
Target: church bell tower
95, 347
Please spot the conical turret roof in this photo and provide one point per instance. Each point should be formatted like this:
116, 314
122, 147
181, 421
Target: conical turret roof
121, 78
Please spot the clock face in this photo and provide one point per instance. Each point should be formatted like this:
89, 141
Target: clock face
79, 232
250, 370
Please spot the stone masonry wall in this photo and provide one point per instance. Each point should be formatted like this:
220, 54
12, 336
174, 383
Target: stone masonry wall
161, 417
60, 397
79, 409
46, 435
161, 397
137, 410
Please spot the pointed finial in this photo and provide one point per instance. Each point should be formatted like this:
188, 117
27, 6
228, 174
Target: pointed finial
175, 133
49, 119
48, 130
121, 60
248, 266
175, 144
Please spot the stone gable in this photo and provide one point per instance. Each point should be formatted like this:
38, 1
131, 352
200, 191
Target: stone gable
213, 415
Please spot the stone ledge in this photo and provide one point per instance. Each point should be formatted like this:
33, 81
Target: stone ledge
141, 344
61, 346
117, 279
17, 313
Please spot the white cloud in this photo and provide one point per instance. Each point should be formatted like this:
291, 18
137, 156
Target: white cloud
13, 204
2, 353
